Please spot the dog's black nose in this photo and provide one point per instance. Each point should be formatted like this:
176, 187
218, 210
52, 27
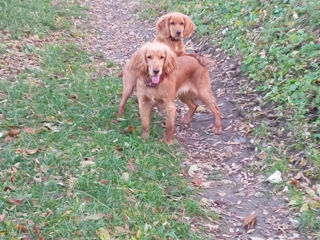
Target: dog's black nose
178, 33
155, 71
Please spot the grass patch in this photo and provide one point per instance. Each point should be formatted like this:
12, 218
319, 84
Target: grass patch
68, 167
36, 16
65, 171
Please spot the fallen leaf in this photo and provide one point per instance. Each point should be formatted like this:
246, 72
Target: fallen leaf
16, 202
104, 181
125, 176
131, 129
103, 234
14, 132
193, 168
22, 228
37, 231
2, 217
201, 109
1, 117
28, 130
27, 151
197, 182
138, 234
275, 177
97, 216
249, 220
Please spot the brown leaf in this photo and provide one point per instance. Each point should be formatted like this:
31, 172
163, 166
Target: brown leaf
249, 220
16, 202
197, 182
37, 231
28, 130
131, 129
14, 132
22, 228
1, 117
104, 181
123, 230
27, 151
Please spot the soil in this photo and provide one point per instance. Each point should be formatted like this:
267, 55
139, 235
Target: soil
224, 167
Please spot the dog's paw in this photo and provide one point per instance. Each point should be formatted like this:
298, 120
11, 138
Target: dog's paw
217, 130
185, 120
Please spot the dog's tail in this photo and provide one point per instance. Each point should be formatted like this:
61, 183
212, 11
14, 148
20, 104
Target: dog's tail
204, 61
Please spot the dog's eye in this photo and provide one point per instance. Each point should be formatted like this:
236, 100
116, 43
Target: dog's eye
181, 23
172, 23
161, 57
149, 57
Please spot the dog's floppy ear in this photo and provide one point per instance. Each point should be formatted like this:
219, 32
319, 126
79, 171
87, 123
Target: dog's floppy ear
138, 62
189, 26
170, 63
163, 25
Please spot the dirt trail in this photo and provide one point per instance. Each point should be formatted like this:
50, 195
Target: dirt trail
219, 165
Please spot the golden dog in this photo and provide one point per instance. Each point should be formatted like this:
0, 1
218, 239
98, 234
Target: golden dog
160, 76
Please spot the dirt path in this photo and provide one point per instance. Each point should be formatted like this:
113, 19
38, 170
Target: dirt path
218, 165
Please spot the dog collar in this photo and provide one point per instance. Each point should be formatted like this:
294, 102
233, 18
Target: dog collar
149, 83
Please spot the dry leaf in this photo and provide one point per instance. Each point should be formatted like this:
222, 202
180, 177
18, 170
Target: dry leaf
103, 234
27, 151
1, 117
139, 234
197, 182
14, 132
97, 216
22, 228
193, 168
125, 176
201, 109
37, 231
16, 202
249, 220
28, 130
131, 129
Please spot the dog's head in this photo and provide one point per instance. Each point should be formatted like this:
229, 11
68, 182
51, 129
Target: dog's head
175, 26
154, 60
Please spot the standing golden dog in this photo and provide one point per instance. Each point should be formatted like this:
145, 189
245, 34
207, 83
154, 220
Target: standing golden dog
160, 76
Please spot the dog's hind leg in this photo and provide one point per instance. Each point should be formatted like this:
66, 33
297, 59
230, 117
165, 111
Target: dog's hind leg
189, 99
206, 96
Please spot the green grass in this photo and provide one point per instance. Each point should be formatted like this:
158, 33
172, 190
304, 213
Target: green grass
36, 16
73, 169
74, 118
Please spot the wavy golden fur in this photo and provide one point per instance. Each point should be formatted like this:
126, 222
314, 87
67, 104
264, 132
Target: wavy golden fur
183, 77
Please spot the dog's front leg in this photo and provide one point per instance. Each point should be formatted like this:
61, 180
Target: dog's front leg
144, 109
170, 110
